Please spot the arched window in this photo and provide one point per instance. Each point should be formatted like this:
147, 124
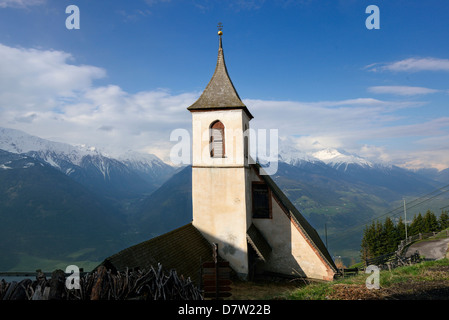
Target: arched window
217, 140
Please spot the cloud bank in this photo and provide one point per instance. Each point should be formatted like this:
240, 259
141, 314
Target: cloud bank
47, 94
412, 65
402, 90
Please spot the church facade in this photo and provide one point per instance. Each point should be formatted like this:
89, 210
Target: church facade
235, 205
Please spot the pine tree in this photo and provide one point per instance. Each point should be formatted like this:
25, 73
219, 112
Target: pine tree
379, 240
368, 242
430, 222
417, 225
389, 236
400, 229
443, 221
364, 245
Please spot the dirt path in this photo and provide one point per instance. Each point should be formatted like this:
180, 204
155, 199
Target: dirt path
434, 249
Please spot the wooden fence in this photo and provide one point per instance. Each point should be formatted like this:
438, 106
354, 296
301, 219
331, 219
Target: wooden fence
393, 259
420, 236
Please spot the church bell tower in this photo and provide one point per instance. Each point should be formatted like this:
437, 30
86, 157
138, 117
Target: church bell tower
220, 169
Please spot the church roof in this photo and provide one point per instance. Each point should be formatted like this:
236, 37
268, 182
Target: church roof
220, 93
183, 249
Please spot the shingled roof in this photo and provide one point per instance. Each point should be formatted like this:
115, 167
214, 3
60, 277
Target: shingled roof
183, 249
220, 93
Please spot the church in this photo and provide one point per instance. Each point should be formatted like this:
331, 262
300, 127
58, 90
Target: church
235, 204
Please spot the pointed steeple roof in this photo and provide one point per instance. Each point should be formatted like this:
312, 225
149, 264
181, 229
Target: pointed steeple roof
220, 93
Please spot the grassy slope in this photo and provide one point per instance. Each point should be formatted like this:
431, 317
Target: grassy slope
407, 282
426, 280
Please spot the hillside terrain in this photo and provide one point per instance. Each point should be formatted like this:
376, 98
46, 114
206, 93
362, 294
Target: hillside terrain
61, 204
424, 281
340, 201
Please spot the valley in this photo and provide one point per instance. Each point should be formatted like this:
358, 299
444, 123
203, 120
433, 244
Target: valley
61, 204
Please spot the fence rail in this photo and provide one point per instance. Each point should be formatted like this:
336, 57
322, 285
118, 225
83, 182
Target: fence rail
393, 259
420, 236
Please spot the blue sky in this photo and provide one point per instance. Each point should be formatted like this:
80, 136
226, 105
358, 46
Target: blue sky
309, 68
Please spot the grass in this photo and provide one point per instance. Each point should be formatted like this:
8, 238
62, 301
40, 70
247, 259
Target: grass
422, 272
261, 290
420, 275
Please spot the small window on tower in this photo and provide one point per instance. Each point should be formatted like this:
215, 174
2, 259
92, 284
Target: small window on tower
245, 142
261, 200
217, 146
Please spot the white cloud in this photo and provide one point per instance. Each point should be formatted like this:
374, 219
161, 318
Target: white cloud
371, 128
345, 120
20, 3
33, 78
401, 90
43, 94
412, 65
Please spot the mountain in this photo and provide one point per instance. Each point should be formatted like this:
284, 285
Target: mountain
150, 167
60, 202
329, 156
167, 208
45, 215
339, 199
126, 176
337, 159
440, 176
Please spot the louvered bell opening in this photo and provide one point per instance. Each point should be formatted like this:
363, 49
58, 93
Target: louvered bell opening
217, 143
217, 140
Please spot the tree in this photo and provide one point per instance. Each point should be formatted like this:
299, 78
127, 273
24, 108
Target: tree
400, 229
368, 242
381, 238
443, 222
390, 238
430, 222
417, 225
379, 241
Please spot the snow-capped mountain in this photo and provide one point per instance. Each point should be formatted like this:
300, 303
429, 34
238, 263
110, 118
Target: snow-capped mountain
293, 156
149, 164
132, 173
338, 159
16, 141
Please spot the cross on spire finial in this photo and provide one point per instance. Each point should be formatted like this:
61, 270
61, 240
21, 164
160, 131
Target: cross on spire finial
220, 33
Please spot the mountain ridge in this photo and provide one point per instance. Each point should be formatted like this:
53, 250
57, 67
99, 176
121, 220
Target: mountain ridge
110, 176
146, 197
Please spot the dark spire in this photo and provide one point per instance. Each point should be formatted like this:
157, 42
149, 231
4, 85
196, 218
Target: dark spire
220, 92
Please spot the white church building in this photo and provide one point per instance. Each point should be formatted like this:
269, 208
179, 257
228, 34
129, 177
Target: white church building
257, 228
